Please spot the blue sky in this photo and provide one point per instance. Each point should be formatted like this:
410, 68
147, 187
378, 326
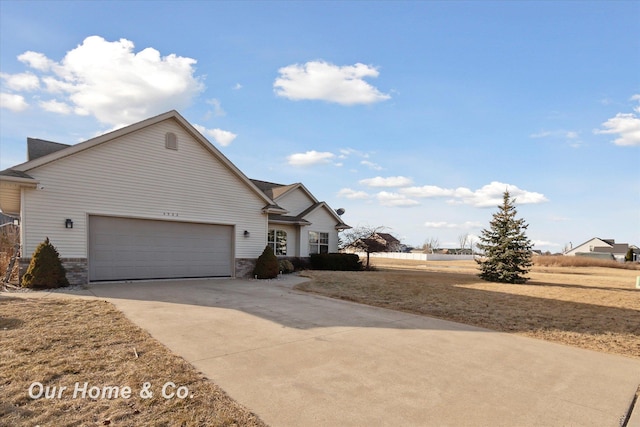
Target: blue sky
415, 116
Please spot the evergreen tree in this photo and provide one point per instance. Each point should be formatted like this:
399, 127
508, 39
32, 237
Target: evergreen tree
629, 255
45, 269
507, 250
267, 266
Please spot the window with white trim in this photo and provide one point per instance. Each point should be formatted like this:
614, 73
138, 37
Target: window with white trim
277, 239
318, 243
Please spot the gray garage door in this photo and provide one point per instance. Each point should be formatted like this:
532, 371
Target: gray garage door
126, 248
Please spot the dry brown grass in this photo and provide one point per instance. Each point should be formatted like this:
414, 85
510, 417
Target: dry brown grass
61, 342
581, 261
590, 307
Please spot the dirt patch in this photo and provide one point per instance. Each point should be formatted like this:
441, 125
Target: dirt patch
64, 342
590, 307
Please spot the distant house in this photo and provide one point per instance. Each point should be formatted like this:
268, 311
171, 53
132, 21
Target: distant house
376, 242
596, 246
392, 244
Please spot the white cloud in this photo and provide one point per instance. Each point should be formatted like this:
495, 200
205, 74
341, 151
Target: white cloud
444, 224
15, 103
346, 152
545, 243
36, 60
21, 82
427, 191
348, 193
319, 80
492, 194
626, 125
392, 181
541, 134
217, 107
222, 137
488, 196
395, 200
309, 158
54, 106
371, 165
114, 84
570, 136
237, 86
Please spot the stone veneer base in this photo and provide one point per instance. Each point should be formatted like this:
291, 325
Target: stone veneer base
78, 269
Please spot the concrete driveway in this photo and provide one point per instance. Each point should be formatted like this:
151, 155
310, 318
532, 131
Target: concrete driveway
297, 359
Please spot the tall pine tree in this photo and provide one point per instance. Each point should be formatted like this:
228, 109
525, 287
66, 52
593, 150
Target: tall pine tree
507, 250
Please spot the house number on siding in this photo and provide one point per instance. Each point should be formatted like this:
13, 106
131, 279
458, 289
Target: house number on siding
170, 213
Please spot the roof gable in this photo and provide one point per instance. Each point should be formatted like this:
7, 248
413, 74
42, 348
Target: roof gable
37, 148
52, 152
595, 241
279, 191
388, 238
339, 223
273, 190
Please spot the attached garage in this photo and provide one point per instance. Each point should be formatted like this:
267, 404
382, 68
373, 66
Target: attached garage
131, 249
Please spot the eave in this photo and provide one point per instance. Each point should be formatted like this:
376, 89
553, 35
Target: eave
274, 209
11, 185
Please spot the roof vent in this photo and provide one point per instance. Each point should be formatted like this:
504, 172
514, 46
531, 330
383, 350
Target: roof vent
171, 141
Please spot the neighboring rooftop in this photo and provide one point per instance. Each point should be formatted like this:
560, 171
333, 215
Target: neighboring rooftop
271, 189
39, 147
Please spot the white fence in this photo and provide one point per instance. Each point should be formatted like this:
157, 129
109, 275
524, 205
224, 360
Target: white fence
418, 257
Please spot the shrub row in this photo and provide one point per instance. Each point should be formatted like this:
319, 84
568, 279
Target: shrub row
336, 262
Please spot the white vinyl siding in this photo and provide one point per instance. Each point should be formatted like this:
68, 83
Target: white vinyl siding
321, 221
295, 202
10, 202
587, 246
136, 176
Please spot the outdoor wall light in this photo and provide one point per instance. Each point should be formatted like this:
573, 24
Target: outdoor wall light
68, 223
246, 233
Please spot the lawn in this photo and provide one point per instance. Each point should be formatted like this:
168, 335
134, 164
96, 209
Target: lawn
596, 308
64, 342
70, 342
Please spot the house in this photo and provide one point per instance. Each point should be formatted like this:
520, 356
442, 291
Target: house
157, 200
302, 230
376, 242
390, 242
596, 246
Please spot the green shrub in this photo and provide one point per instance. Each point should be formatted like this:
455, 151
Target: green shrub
267, 266
300, 264
45, 269
629, 256
286, 266
336, 262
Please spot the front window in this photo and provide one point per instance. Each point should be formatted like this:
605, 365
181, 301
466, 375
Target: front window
318, 243
277, 239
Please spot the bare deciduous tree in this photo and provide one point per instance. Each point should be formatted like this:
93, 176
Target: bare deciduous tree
431, 244
364, 239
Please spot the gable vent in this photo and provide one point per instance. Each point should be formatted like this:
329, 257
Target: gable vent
171, 141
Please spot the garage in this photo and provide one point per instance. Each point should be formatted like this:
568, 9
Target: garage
134, 249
